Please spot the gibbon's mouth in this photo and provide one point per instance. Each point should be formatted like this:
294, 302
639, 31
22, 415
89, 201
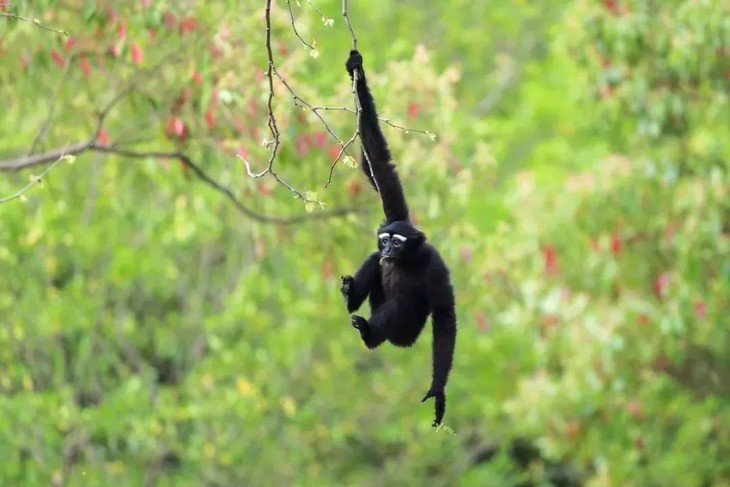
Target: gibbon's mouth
386, 258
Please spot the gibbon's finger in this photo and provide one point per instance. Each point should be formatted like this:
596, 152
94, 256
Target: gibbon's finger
354, 52
428, 395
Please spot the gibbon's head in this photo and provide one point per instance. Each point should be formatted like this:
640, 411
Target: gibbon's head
399, 242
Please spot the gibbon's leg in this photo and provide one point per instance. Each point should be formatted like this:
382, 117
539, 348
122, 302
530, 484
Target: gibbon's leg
444, 338
367, 278
381, 324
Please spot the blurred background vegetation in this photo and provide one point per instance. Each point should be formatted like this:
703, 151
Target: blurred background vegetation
152, 332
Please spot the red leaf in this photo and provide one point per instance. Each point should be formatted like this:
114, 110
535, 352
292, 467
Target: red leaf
482, 322
210, 119
197, 78
69, 43
188, 24
354, 187
103, 137
122, 29
175, 127
303, 144
465, 253
85, 66
264, 189
283, 50
115, 50
242, 152
327, 269
615, 243
550, 258
660, 284
320, 139
152, 33
334, 151
239, 125
170, 20
216, 51
111, 15
57, 58
23, 60
700, 309
635, 409
136, 52
412, 109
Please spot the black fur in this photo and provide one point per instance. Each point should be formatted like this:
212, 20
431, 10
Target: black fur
405, 280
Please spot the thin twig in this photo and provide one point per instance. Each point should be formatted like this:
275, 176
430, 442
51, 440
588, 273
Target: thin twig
339, 156
316, 9
36, 179
33, 21
273, 128
346, 16
294, 27
386, 121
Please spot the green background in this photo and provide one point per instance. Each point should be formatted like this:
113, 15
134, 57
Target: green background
154, 333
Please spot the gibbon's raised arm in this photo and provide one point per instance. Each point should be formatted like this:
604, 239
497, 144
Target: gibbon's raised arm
376, 147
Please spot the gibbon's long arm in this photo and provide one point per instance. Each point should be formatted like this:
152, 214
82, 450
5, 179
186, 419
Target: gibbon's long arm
443, 317
376, 147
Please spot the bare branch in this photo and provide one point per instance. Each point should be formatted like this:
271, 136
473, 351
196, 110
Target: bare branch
59, 155
316, 9
203, 176
294, 27
24, 162
33, 21
339, 156
346, 16
273, 128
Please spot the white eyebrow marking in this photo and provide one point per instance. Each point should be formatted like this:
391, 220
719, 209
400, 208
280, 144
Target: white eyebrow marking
384, 235
400, 237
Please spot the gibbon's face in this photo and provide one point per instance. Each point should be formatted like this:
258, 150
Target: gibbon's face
391, 246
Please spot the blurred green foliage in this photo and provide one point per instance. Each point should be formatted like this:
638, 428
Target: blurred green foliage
152, 334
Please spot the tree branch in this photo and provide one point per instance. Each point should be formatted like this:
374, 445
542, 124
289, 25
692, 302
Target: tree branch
294, 27
58, 155
36, 179
33, 21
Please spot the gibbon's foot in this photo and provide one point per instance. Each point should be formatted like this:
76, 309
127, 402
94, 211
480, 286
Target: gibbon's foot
346, 286
439, 405
361, 324
354, 62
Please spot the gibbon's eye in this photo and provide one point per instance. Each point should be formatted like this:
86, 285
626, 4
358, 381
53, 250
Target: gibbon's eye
384, 240
396, 242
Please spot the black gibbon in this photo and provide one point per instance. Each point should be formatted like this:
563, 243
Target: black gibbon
406, 279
